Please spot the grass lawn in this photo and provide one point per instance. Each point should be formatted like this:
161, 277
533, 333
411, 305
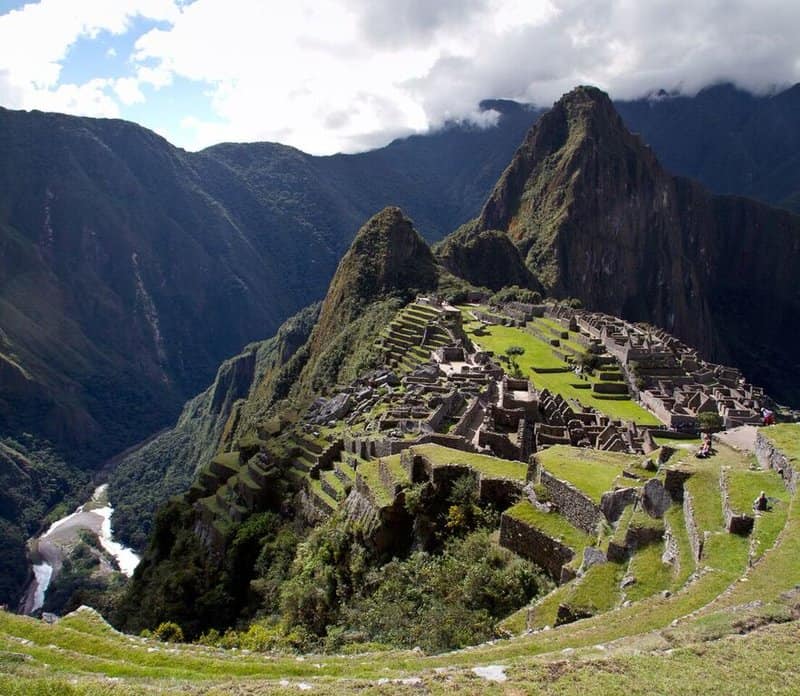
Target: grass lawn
369, 473
539, 354
685, 566
592, 471
490, 467
786, 437
651, 573
552, 524
598, 590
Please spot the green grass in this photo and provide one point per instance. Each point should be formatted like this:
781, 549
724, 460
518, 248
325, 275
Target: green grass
745, 486
490, 467
651, 573
786, 437
397, 470
598, 590
552, 524
369, 473
592, 471
622, 525
539, 354
620, 651
685, 565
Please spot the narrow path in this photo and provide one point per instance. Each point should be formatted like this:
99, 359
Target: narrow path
742, 438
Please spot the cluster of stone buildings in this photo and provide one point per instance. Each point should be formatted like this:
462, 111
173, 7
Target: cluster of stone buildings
464, 399
670, 378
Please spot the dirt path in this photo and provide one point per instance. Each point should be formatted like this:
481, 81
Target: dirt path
742, 438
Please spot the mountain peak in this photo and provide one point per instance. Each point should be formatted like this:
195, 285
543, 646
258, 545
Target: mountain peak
577, 150
387, 257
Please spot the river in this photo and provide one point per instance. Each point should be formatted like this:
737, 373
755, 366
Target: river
50, 549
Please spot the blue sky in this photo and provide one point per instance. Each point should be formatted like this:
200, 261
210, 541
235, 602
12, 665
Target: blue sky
349, 75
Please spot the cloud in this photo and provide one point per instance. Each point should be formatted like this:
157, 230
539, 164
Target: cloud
345, 75
36, 38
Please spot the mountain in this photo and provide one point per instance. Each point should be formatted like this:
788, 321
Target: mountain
130, 269
595, 216
730, 140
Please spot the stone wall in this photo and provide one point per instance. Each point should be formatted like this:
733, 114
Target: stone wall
695, 540
535, 545
471, 418
736, 521
500, 445
572, 503
769, 457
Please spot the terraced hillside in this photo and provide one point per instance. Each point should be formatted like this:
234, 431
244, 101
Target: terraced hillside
412, 335
725, 601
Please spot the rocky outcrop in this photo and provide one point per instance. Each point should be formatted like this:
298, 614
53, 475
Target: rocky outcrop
486, 258
166, 465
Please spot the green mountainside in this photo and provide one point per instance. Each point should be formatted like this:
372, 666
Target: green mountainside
130, 269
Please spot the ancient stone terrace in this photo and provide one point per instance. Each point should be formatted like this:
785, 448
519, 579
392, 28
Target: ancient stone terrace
671, 379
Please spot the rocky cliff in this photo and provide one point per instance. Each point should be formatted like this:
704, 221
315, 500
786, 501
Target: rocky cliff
165, 466
595, 216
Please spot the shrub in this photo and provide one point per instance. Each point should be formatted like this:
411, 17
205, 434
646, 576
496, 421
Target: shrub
169, 632
709, 422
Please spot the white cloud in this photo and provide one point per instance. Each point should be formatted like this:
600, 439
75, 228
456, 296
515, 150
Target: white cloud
36, 38
328, 75
127, 90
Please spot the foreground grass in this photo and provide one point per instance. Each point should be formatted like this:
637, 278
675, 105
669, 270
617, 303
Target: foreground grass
682, 643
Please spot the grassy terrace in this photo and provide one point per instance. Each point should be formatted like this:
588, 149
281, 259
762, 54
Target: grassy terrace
539, 354
684, 643
369, 473
552, 524
592, 471
786, 437
745, 486
652, 575
598, 590
490, 467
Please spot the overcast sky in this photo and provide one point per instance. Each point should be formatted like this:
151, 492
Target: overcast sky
347, 75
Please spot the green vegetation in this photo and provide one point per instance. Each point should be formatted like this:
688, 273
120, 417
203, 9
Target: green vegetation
598, 590
786, 437
651, 573
490, 467
539, 356
592, 471
552, 524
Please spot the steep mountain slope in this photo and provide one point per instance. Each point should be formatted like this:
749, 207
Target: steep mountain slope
728, 139
130, 269
164, 467
596, 217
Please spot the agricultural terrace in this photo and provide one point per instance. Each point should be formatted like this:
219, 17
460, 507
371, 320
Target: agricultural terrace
592, 471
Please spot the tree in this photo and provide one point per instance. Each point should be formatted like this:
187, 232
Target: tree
709, 422
512, 352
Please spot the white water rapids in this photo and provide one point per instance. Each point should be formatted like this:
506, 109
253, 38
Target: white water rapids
93, 516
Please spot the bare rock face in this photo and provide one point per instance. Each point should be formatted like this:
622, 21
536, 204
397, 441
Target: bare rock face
595, 216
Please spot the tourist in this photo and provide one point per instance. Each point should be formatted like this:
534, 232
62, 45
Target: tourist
760, 503
769, 416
